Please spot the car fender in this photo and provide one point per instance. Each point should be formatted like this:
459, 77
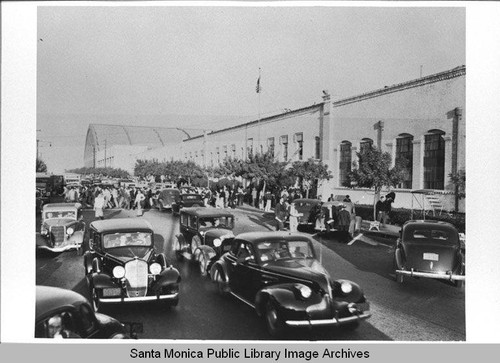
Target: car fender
42, 240
168, 276
356, 295
207, 251
286, 297
220, 264
101, 280
76, 238
87, 261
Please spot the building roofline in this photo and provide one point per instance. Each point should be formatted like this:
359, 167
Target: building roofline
453, 73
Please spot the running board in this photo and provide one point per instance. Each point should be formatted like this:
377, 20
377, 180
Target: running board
242, 299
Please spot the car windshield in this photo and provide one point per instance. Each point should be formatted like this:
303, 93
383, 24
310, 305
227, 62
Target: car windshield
438, 235
281, 250
137, 239
217, 222
60, 214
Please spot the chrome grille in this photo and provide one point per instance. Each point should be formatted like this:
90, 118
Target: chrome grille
57, 234
136, 273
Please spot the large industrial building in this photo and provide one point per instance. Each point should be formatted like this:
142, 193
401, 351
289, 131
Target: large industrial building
422, 120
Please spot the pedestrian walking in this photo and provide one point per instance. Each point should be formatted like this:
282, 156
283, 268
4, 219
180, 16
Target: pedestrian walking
293, 218
139, 200
344, 221
99, 205
281, 212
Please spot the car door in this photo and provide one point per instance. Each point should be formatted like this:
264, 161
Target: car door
245, 272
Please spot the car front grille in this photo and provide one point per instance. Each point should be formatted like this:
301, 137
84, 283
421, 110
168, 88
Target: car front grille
136, 273
57, 234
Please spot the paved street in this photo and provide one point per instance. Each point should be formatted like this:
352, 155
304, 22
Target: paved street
417, 310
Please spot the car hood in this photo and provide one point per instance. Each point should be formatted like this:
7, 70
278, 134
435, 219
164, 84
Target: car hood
419, 256
218, 232
125, 254
59, 222
301, 269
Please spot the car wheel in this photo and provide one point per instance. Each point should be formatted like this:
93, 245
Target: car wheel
221, 284
202, 261
94, 297
274, 324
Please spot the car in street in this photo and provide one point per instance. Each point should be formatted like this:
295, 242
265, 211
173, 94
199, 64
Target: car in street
278, 275
305, 207
62, 227
206, 234
187, 200
165, 198
122, 266
62, 313
430, 249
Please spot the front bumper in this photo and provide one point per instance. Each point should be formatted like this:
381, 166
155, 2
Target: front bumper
362, 314
61, 248
430, 275
115, 300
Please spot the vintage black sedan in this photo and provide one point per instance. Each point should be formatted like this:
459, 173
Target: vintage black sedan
62, 227
122, 265
430, 249
187, 201
206, 233
165, 198
62, 313
277, 274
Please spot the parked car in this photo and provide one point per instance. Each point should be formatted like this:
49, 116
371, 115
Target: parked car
430, 249
206, 233
165, 198
62, 227
122, 265
62, 313
277, 274
304, 206
187, 201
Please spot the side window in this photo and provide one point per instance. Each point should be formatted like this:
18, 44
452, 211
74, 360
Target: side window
97, 240
245, 251
184, 219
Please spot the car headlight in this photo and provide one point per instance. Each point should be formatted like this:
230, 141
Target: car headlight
119, 336
305, 291
44, 231
155, 268
119, 272
202, 233
70, 231
217, 242
346, 287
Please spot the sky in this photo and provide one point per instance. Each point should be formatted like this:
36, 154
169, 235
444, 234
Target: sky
197, 66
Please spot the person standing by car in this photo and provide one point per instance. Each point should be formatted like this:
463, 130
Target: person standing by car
139, 200
281, 212
381, 210
344, 221
99, 205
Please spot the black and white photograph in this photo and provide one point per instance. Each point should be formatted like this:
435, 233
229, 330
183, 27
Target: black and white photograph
232, 171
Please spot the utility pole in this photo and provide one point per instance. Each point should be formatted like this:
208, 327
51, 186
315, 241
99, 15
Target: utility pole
379, 126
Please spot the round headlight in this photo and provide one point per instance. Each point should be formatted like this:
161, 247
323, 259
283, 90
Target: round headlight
304, 290
346, 287
119, 272
202, 233
70, 231
155, 268
217, 242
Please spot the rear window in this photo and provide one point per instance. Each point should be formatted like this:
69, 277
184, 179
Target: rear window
446, 235
191, 197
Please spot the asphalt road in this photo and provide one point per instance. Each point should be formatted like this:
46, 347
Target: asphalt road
418, 310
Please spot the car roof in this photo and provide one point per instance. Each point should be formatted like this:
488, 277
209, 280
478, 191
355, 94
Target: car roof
207, 212
61, 206
49, 298
257, 237
429, 223
125, 224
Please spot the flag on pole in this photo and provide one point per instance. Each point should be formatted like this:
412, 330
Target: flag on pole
258, 88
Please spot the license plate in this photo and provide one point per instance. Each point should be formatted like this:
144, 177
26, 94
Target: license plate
111, 292
431, 256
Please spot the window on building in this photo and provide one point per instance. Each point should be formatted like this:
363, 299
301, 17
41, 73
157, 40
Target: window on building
345, 163
434, 160
365, 144
284, 145
250, 146
404, 151
317, 148
233, 150
217, 151
225, 151
270, 145
299, 139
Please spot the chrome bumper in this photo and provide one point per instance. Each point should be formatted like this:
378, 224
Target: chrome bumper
110, 300
430, 275
333, 321
60, 249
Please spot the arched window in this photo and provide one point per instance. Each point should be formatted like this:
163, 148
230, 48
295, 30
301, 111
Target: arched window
404, 152
434, 160
365, 144
345, 163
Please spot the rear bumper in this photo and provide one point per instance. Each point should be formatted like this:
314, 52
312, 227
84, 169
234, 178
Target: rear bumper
326, 322
115, 300
430, 275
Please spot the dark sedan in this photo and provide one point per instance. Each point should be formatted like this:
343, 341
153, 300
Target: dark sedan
430, 249
277, 274
187, 201
123, 266
64, 313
